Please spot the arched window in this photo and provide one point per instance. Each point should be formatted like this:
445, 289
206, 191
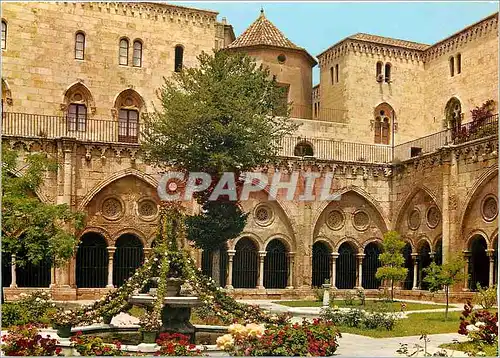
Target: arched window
479, 263
303, 149
321, 263
245, 264
371, 263
77, 100
137, 58
91, 261
459, 63
408, 282
128, 106
424, 260
128, 257
346, 267
331, 75
379, 71
452, 66
337, 73
382, 124
387, 72
123, 52
214, 264
79, 46
4, 35
453, 113
438, 255
179, 55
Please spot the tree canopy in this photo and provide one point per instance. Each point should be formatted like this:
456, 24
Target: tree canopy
33, 230
215, 118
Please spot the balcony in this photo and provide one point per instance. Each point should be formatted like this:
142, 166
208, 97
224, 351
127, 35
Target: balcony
129, 133
319, 114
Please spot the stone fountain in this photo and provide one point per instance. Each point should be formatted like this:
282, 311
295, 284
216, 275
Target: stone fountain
176, 311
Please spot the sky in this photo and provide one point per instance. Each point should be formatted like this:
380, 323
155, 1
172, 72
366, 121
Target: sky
318, 25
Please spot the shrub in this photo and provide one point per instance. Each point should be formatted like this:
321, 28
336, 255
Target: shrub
31, 308
318, 339
361, 295
381, 318
94, 346
176, 344
348, 298
485, 297
480, 326
26, 341
319, 292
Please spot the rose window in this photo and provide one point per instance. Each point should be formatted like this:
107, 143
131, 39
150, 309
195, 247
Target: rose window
414, 219
111, 208
361, 220
433, 217
335, 220
490, 208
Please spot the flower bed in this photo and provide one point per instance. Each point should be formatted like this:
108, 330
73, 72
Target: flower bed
318, 338
481, 327
358, 318
27, 341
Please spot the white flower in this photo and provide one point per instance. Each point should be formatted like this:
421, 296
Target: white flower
480, 324
226, 341
471, 328
37, 299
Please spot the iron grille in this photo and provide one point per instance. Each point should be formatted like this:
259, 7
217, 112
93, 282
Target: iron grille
408, 282
346, 267
129, 255
207, 262
321, 264
438, 256
423, 262
92, 262
31, 275
478, 267
371, 263
275, 265
245, 264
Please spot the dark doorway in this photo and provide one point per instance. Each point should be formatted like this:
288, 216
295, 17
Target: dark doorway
371, 263
438, 255
346, 267
275, 265
424, 260
6, 269
92, 261
321, 263
479, 263
245, 264
408, 282
207, 262
129, 255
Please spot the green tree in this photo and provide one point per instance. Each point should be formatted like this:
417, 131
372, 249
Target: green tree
444, 276
216, 118
392, 260
32, 230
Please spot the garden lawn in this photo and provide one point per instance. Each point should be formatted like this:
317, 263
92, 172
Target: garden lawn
489, 350
396, 305
416, 324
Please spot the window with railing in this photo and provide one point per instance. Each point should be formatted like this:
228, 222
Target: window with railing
77, 117
128, 125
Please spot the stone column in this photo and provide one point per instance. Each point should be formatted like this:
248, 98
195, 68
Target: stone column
13, 282
111, 252
260, 283
467, 256
333, 276
415, 271
359, 283
230, 256
491, 256
291, 256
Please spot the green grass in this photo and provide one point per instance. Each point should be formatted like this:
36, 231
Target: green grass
416, 324
489, 350
410, 306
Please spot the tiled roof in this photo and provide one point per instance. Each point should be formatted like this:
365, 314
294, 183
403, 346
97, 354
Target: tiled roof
389, 41
263, 32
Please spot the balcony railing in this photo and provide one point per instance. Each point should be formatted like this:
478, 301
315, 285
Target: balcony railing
114, 131
465, 133
321, 114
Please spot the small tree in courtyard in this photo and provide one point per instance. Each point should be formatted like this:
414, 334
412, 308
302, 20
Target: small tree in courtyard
218, 117
444, 276
392, 260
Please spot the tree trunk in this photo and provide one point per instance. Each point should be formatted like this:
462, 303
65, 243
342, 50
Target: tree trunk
392, 290
446, 310
216, 266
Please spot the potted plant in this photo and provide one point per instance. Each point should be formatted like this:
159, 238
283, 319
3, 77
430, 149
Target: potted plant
62, 321
150, 326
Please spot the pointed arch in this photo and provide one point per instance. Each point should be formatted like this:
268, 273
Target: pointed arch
402, 208
361, 192
129, 99
483, 179
423, 240
118, 175
78, 92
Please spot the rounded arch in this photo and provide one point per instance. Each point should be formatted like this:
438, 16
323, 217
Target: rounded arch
91, 261
422, 240
249, 235
365, 195
129, 99
326, 241
374, 240
128, 257
118, 175
321, 262
474, 234
372, 250
303, 149
283, 238
101, 231
346, 267
276, 264
130, 231
74, 90
479, 262
409, 242
245, 263
483, 179
402, 208
350, 241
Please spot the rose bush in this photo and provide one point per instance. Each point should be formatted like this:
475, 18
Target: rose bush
27, 341
176, 344
318, 338
94, 346
481, 327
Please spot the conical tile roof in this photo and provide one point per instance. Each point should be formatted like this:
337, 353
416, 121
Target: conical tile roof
263, 32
